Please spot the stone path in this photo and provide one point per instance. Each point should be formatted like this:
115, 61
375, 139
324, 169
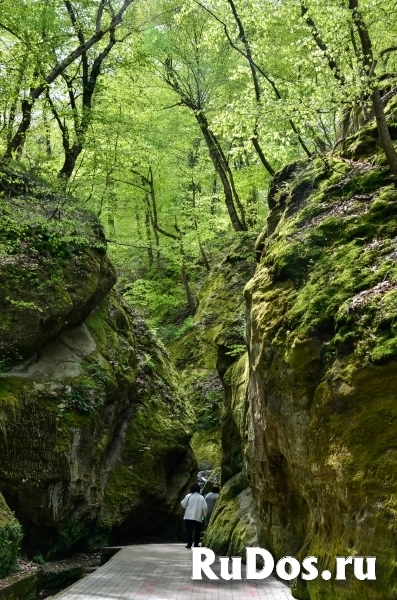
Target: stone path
163, 572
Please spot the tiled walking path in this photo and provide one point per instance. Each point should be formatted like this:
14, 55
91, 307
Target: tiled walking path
163, 572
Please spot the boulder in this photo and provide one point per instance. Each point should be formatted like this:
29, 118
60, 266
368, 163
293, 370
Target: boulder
94, 433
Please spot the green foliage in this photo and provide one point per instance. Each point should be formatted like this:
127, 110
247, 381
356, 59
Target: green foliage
10, 538
82, 397
208, 413
236, 350
151, 295
184, 328
145, 167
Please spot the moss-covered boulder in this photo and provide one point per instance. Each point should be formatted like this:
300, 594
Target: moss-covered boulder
235, 523
10, 538
322, 400
53, 272
207, 447
94, 434
212, 354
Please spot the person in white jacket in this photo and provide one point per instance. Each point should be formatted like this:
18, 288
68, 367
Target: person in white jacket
195, 509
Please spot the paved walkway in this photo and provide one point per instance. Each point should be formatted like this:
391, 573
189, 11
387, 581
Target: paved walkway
163, 572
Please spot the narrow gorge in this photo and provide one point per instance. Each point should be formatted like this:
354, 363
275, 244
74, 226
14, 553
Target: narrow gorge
309, 417
96, 421
198, 285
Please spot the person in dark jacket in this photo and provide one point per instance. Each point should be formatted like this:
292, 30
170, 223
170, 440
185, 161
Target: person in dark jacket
195, 509
210, 499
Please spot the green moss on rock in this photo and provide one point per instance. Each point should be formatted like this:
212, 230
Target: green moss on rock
321, 390
207, 448
94, 406
213, 341
10, 539
53, 272
235, 523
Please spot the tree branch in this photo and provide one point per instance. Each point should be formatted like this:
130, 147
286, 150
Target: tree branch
99, 15
321, 44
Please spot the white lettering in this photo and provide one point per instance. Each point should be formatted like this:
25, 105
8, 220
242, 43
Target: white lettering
294, 570
287, 568
268, 565
341, 563
311, 571
236, 568
359, 568
199, 565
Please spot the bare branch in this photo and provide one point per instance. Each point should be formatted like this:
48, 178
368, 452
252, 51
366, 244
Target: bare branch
321, 44
98, 23
388, 50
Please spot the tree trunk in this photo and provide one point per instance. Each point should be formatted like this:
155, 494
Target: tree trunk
202, 251
204, 257
369, 67
111, 225
217, 161
16, 143
384, 133
214, 196
71, 156
189, 296
258, 148
148, 236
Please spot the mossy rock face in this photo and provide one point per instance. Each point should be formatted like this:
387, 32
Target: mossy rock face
10, 538
95, 434
235, 523
53, 272
234, 418
212, 343
207, 448
321, 399
25, 588
214, 350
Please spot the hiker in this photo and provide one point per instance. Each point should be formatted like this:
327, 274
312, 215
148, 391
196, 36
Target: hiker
210, 499
195, 509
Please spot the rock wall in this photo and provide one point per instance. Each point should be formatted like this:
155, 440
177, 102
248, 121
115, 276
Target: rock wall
94, 434
211, 344
322, 336
310, 412
213, 350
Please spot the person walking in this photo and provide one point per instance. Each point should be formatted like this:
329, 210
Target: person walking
210, 499
195, 509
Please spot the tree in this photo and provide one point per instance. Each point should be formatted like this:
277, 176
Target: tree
102, 24
186, 70
358, 47
256, 70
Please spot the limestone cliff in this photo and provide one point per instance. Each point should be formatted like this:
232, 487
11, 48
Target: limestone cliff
322, 336
310, 415
94, 435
